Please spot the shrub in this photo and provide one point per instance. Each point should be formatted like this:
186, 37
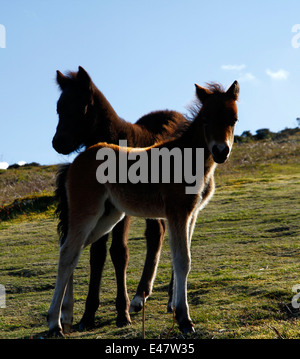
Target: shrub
25, 205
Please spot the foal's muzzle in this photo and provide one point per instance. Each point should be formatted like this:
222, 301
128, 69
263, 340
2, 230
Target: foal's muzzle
220, 152
63, 145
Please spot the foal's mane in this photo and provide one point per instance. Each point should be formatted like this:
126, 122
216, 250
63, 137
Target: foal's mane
215, 87
73, 75
194, 108
62, 202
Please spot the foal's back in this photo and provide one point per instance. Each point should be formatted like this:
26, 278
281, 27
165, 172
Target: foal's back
152, 128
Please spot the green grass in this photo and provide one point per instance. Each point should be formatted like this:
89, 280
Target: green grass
245, 259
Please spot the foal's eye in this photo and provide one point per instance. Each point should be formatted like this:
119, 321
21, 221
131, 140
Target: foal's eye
233, 121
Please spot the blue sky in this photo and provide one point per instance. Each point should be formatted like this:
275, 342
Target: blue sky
144, 56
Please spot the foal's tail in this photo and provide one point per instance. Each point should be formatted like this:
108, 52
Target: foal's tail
62, 209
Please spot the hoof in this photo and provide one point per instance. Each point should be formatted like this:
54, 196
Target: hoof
56, 333
67, 328
186, 327
123, 321
136, 305
169, 308
87, 322
83, 326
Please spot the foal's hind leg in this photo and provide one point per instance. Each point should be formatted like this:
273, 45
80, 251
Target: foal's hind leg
82, 231
120, 256
155, 232
67, 307
69, 255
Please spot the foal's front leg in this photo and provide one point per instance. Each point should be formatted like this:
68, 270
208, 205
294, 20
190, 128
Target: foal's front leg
191, 227
181, 258
120, 256
170, 294
155, 233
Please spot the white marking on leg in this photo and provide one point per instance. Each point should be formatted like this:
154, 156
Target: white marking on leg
67, 262
136, 304
67, 306
179, 243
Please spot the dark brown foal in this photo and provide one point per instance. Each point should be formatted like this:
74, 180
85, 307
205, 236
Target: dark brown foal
86, 118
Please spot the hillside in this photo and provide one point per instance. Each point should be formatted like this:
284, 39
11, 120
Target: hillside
245, 254
34, 180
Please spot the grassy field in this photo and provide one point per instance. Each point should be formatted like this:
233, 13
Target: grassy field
245, 255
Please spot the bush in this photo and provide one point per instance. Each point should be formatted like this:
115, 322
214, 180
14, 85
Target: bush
26, 205
263, 134
31, 164
246, 136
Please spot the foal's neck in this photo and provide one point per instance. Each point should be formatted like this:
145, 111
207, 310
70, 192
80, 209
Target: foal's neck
106, 124
193, 137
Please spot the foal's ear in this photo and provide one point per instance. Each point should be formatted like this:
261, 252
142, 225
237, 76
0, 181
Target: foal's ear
84, 78
234, 90
202, 93
61, 80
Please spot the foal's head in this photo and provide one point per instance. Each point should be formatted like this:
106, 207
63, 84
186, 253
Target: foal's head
218, 115
72, 109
